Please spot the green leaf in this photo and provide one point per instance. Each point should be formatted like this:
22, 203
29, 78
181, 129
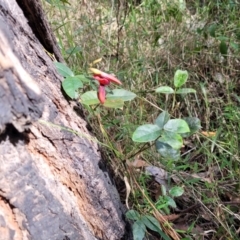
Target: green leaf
194, 125
167, 151
89, 98
185, 90
71, 85
176, 191
146, 133
122, 94
172, 139
151, 223
63, 70
212, 30
162, 119
165, 89
139, 230
180, 78
133, 215
82, 78
222, 38
163, 206
176, 126
113, 103
223, 48
170, 202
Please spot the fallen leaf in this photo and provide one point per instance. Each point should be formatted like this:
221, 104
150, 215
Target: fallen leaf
202, 176
184, 227
208, 134
172, 217
137, 163
159, 174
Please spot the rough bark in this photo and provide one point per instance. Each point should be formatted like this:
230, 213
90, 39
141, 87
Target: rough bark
51, 186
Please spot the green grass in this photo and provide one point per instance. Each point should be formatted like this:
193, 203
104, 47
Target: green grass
144, 44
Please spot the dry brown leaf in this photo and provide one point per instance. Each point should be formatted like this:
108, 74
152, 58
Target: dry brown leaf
208, 134
207, 216
184, 227
202, 176
172, 217
137, 163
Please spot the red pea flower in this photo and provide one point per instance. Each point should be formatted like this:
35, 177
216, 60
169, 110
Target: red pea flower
104, 79
101, 94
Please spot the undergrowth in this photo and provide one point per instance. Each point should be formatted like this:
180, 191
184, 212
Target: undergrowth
143, 43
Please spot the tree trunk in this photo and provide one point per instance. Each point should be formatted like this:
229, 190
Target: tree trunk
51, 186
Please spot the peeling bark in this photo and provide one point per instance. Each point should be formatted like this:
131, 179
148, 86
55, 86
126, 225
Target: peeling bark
51, 186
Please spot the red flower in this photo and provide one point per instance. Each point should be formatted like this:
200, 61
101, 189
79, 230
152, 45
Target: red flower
104, 79
101, 94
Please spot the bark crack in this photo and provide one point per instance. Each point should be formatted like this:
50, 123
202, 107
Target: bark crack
40, 27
